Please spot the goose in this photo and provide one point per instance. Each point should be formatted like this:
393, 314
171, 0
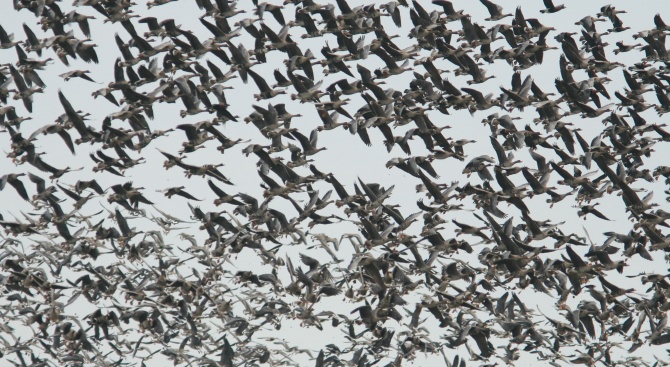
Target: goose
13, 180
199, 49
23, 93
448, 9
77, 74
80, 19
240, 59
305, 93
496, 11
7, 40
549, 7
275, 10
308, 145
265, 91
274, 189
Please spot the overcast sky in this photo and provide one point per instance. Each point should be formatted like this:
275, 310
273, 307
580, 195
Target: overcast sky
347, 157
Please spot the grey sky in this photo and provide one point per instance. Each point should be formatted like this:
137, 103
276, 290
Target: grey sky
346, 156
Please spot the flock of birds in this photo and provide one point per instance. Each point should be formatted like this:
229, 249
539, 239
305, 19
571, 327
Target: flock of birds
453, 280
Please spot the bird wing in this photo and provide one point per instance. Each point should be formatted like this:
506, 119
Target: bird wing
260, 81
576, 260
270, 182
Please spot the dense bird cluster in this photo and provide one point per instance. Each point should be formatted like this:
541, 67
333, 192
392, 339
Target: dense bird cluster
101, 272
